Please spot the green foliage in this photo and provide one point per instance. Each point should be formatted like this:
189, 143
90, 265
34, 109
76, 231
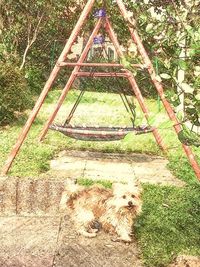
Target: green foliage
89, 182
34, 77
169, 224
14, 93
189, 137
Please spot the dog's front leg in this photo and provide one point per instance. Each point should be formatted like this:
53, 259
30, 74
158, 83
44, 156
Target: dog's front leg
123, 234
83, 220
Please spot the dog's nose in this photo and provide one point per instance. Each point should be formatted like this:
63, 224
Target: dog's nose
130, 203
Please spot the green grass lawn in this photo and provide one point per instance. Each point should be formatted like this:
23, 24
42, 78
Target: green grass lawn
169, 224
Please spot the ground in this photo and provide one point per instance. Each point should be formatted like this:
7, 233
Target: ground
51, 241
33, 233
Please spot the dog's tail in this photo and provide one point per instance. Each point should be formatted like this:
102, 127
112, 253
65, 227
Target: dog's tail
71, 188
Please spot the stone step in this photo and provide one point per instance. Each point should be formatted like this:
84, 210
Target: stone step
30, 196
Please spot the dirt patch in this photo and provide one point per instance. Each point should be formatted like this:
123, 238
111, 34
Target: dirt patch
74, 250
186, 261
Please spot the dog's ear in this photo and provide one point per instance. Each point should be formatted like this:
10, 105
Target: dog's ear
135, 183
116, 187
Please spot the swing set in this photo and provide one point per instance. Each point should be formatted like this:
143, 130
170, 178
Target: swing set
85, 68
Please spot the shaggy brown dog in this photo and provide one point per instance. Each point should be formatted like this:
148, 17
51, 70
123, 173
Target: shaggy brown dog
112, 209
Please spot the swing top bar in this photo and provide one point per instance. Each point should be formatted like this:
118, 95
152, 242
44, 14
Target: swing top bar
69, 64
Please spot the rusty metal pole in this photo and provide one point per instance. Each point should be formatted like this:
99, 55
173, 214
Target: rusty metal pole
158, 86
71, 80
101, 74
47, 87
68, 64
134, 84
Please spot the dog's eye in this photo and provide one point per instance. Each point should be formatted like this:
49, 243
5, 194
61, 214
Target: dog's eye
124, 197
133, 196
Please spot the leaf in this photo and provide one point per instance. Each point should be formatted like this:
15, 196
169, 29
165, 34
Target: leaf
167, 63
149, 27
158, 78
127, 65
197, 71
165, 76
192, 52
187, 88
197, 97
188, 137
182, 64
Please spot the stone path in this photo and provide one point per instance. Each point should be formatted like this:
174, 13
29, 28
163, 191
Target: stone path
113, 167
51, 241
29, 242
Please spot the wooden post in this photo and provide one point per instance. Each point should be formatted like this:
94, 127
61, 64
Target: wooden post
47, 87
158, 86
71, 80
134, 85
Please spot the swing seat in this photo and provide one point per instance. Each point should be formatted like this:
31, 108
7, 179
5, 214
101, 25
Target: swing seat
90, 133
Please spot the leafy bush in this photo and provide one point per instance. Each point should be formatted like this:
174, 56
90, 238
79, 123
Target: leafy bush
15, 95
35, 79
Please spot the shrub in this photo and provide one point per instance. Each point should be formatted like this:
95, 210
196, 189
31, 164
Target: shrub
34, 77
15, 95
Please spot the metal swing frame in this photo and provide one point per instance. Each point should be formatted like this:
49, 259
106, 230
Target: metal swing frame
76, 73
102, 133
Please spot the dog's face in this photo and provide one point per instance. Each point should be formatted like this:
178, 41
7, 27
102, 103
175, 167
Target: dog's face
127, 196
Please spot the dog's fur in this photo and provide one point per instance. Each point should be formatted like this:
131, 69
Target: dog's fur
112, 209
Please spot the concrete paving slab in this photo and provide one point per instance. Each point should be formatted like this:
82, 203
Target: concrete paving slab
79, 251
108, 170
155, 172
28, 242
70, 165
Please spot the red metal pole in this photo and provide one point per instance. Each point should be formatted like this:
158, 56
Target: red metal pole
100, 74
68, 64
71, 80
47, 87
159, 87
134, 84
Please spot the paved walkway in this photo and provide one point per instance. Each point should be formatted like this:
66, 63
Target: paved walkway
113, 167
51, 241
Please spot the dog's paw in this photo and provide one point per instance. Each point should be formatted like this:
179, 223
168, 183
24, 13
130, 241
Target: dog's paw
96, 225
126, 240
87, 234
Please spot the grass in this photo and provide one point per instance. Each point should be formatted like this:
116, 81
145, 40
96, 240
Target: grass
169, 224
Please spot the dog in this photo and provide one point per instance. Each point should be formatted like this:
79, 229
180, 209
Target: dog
96, 207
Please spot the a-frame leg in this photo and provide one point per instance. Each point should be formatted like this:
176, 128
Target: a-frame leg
71, 79
158, 86
47, 87
134, 84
